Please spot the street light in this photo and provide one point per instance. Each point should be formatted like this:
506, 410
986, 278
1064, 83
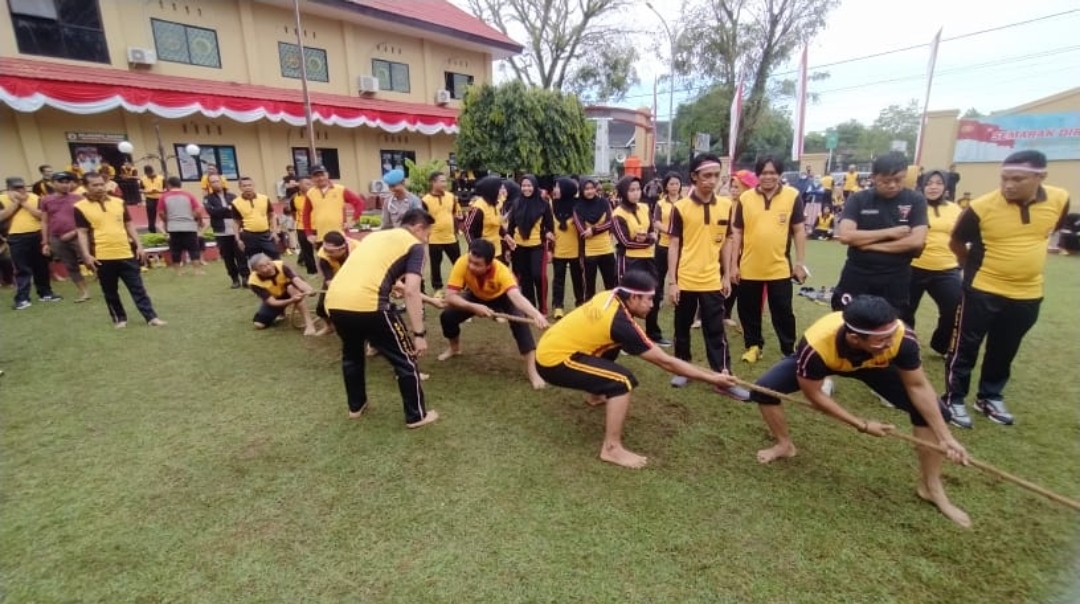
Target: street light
671, 82
127, 148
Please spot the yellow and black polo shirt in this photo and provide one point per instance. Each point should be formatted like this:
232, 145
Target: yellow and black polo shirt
628, 225
498, 280
22, 222
936, 255
592, 329
330, 267
253, 213
365, 280
662, 214
766, 222
444, 209
701, 229
273, 287
824, 351
107, 221
1008, 241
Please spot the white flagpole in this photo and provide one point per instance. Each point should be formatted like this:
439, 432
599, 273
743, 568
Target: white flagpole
798, 117
736, 117
926, 99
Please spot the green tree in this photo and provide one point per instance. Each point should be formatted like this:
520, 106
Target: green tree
972, 113
514, 128
570, 45
420, 173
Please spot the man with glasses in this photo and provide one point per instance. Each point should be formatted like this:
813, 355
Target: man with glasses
884, 228
20, 206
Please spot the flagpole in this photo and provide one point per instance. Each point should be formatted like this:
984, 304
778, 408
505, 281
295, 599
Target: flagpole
735, 118
926, 98
800, 109
312, 157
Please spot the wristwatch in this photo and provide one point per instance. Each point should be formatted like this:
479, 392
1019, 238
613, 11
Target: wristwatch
419, 334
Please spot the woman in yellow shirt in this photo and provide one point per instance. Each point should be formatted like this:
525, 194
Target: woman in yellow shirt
529, 225
484, 218
566, 253
661, 222
936, 271
592, 217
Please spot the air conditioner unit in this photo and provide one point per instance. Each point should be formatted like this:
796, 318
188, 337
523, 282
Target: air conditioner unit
377, 186
368, 84
442, 97
141, 56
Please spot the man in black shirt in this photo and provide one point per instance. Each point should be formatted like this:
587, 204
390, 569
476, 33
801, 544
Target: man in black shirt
884, 228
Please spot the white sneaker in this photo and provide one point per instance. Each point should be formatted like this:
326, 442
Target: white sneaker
678, 381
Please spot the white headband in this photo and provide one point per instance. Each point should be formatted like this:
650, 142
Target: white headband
881, 332
1022, 168
626, 290
707, 164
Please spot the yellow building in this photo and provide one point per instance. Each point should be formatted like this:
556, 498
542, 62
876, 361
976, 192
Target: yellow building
977, 146
385, 79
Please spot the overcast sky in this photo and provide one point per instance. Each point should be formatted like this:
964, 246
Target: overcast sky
989, 72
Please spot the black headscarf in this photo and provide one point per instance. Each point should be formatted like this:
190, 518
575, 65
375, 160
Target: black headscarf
943, 175
513, 195
564, 205
487, 188
622, 188
592, 210
528, 210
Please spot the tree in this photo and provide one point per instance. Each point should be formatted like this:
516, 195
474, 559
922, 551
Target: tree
749, 38
570, 44
513, 128
972, 113
709, 113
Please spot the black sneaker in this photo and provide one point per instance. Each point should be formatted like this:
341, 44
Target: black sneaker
662, 342
235, 285
956, 414
995, 411
50, 298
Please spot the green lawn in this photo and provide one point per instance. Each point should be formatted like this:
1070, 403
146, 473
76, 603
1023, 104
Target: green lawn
204, 462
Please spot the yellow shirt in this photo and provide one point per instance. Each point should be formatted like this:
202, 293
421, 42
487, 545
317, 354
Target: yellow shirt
851, 181
663, 214
567, 242
491, 218
599, 325
701, 229
600, 243
1008, 242
327, 210
205, 183
276, 286
254, 213
766, 224
827, 183
825, 222
329, 265
153, 187
494, 284
936, 255
628, 226
365, 280
107, 222
22, 221
444, 209
823, 341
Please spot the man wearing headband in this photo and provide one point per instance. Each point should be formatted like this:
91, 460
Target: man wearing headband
579, 352
333, 253
867, 342
884, 228
699, 228
771, 217
1001, 241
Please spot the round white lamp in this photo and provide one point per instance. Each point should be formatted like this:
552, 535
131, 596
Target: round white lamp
125, 147
192, 149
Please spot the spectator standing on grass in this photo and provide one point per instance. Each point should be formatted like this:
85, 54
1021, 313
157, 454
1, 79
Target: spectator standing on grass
44, 186
255, 221
298, 203
59, 235
218, 206
884, 228
951, 181
325, 208
153, 185
105, 221
183, 220
445, 209
20, 208
1000, 241
399, 201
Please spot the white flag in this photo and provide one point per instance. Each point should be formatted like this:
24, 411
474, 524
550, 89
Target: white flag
798, 117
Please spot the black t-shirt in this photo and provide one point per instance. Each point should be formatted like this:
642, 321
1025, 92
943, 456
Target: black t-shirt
870, 212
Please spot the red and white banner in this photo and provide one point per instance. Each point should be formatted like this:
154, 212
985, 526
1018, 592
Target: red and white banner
736, 117
798, 116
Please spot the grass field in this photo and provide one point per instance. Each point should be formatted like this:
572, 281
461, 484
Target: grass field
203, 462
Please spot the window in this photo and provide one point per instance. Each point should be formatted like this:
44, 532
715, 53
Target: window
326, 157
192, 168
179, 43
67, 29
392, 76
395, 159
456, 83
314, 59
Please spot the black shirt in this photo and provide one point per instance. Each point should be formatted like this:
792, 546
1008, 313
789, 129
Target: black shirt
871, 212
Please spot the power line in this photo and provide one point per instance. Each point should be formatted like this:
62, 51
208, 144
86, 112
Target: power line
874, 55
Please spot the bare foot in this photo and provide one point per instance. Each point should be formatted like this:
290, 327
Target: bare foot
324, 331
431, 417
945, 506
538, 383
120, 324
595, 400
775, 452
310, 331
424, 376
619, 456
360, 413
370, 352
156, 323
448, 354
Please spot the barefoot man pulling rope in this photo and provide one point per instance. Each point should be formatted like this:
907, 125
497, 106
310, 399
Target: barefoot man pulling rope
865, 341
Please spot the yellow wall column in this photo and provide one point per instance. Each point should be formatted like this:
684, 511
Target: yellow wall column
33, 152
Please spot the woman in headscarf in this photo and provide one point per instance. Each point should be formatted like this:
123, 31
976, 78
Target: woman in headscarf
566, 251
529, 226
592, 217
671, 188
936, 271
508, 198
633, 230
484, 220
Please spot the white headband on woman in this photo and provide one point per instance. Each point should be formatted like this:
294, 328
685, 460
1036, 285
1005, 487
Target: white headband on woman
888, 331
626, 290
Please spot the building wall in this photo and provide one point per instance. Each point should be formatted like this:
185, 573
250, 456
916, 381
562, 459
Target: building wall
980, 178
